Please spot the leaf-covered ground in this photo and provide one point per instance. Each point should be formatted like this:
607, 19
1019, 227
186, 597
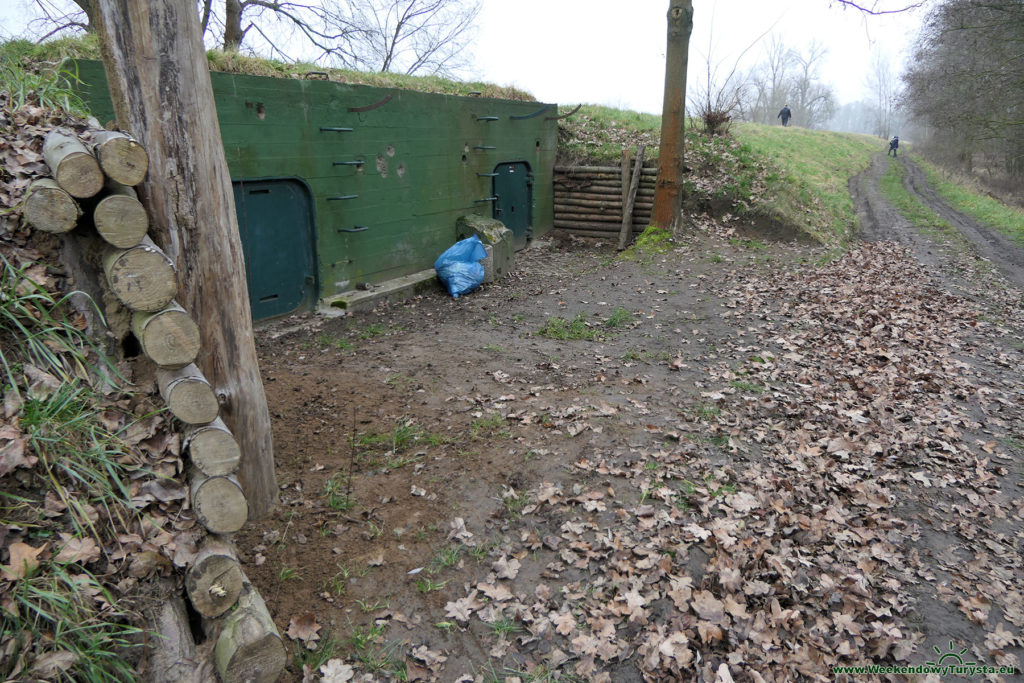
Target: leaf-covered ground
728, 461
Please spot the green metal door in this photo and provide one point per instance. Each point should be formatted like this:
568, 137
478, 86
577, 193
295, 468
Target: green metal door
275, 222
513, 204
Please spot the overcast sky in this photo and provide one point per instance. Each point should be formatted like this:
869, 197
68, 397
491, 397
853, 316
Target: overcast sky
612, 52
596, 51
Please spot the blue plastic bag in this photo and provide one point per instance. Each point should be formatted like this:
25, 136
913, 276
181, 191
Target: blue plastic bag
459, 268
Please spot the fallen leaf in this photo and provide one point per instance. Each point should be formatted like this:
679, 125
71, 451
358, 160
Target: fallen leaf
505, 568
78, 550
23, 560
304, 627
336, 671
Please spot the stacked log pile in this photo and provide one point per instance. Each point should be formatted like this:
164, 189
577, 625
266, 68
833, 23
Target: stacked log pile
92, 186
589, 200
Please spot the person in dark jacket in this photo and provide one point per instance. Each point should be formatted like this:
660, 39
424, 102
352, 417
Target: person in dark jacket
893, 145
785, 115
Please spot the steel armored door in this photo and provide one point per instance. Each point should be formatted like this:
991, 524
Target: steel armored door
513, 204
275, 223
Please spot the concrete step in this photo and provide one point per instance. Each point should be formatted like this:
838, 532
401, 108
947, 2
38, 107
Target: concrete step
399, 289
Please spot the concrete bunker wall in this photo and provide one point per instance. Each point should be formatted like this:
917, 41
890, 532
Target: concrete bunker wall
380, 176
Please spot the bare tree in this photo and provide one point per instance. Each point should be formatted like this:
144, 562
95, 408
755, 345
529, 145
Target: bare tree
966, 81
884, 87
717, 99
412, 36
769, 83
878, 7
813, 101
282, 30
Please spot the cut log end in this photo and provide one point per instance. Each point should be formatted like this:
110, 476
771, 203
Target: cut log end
213, 449
192, 401
73, 167
249, 648
50, 208
214, 581
142, 277
121, 157
219, 503
121, 220
170, 338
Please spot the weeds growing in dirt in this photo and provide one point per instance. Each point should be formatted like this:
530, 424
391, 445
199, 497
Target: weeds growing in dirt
504, 626
363, 637
748, 387
444, 558
373, 330
619, 317
428, 585
515, 502
326, 650
327, 340
568, 330
365, 606
338, 492
491, 425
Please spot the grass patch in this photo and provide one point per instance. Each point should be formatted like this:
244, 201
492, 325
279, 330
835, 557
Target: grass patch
71, 618
568, 330
326, 649
57, 615
619, 317
338, 492
515, 503
425, 584
327, 340
909, 206
492, 425
804, 182
650, 243
747, 387
444, 558
973, 202
598, 134
34, 75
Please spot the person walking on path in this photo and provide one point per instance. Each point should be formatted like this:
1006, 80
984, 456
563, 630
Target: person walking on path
785, 115
893, 145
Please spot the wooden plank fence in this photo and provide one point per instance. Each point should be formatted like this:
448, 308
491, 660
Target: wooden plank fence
589, 200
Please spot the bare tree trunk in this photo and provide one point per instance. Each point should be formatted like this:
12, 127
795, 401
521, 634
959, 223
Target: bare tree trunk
233, 33
160, 87
668, 194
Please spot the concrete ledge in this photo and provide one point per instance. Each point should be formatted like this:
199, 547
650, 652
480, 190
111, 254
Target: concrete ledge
392, 290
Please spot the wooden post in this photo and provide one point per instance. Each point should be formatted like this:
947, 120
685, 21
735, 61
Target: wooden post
48, 207
627, 204
73, 167
668, 197
160, 87
624, 184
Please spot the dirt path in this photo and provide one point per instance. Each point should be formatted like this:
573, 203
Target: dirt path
742, 462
